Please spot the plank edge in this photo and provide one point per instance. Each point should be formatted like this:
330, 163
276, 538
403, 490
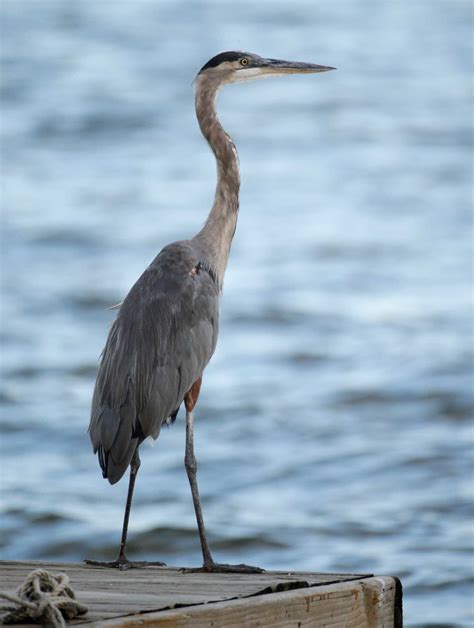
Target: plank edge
389, 587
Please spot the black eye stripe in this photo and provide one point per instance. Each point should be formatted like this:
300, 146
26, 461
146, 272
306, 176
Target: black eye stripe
232, 55
221, 58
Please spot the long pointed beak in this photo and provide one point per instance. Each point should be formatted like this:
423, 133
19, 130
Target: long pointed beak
278, 66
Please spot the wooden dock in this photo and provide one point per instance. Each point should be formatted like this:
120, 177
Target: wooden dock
165, 596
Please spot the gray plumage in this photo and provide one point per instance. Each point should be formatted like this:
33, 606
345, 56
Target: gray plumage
166, 329
162, 339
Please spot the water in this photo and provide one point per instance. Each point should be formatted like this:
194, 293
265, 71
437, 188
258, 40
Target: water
334, 429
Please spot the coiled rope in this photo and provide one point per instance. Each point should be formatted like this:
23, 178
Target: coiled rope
43, 598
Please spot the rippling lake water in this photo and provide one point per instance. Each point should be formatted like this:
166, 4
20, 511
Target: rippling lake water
334, 429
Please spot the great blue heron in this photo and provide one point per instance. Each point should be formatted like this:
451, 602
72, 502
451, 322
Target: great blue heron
166, 329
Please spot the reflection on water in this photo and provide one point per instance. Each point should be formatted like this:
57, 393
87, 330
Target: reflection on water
334, 430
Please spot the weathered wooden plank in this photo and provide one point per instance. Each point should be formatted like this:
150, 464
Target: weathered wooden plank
367, 603
148, 595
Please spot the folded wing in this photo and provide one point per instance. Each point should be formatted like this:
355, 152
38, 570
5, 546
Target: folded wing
162, 339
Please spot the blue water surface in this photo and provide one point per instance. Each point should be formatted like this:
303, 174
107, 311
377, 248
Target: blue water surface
334, 429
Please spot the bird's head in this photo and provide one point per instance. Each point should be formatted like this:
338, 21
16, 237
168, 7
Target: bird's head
235, 66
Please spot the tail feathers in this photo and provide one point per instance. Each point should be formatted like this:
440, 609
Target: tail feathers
114, 469
114, 440
108, 424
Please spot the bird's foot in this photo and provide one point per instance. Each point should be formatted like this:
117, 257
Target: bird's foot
224, 568
123, 563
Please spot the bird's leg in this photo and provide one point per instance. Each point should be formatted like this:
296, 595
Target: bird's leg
122, 561
134, 466
191, 468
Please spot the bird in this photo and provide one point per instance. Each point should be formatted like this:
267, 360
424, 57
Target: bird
165, 331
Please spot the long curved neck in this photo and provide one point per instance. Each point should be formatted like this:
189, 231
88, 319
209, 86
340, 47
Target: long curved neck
219, 228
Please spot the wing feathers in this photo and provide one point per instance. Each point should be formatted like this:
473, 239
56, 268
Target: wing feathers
163, 337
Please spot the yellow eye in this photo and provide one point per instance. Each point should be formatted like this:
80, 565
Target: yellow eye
244, 61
